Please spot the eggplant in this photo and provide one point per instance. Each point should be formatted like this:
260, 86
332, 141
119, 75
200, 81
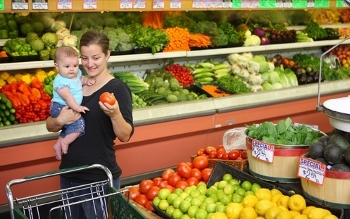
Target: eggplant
299, 72
309, 79
302, 79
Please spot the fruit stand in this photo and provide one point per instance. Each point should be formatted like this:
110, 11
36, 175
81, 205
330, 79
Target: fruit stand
163, 130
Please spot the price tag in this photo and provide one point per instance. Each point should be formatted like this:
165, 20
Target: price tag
40, 5
158, 4
19, 5
125, 4
279, 4
197, 4
250, 4
342, 3
263, 151
322, 3
217, 4
227, 4
301, 3
2, 5
64, 4
175, 3
267, 4
287, 4
90, 4
140, 4
207, 3
311, 170
310, 4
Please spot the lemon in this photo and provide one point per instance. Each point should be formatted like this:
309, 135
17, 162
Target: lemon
248, 213
275, 192
330, 216
294, 213
263, 194
283, 201
233, 210
317, 213
219, 215
275, 197
284, 215
272, 212
262, 205
296, 203
307, 210
300, 216
250, 201
260, 217
283, 208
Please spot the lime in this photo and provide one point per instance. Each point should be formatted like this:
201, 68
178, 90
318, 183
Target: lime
255, 186
246, 185
227, 177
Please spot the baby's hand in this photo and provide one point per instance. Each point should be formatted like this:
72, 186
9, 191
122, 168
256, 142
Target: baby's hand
82, 109
91, 81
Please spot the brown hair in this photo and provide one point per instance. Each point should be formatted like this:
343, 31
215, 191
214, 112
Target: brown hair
66, 51
92, 37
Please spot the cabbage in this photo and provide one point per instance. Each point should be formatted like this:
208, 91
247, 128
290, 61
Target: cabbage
70, 40
272, 66
243, 74
267, 86
274, 77
55, 26
264, 66
252, 40
284, 80
259, 58
260, 32
61, 33
266, 76
277, 86
292, 79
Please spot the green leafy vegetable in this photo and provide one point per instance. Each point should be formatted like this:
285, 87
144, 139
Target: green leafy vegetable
233, 84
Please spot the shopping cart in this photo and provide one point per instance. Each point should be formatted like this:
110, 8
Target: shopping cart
59, 203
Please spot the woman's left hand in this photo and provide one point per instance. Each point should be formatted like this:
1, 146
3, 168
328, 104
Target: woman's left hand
110, 110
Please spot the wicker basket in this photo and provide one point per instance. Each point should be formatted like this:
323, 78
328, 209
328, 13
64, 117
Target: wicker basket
238, 164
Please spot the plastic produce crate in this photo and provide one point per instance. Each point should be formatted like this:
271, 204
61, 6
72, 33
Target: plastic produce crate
221, 169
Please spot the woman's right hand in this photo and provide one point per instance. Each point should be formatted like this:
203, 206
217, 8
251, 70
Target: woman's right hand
66, 116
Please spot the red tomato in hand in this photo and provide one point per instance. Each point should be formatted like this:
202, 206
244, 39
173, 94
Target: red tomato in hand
107, 97
234, 154
200, 162
184, 170
244, 154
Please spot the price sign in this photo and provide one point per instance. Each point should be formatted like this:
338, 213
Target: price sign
236, 3
64, 4
175, 3
2, 5
217, 4
267, 4
301, 3
310, 4
197, 4
19, 5
287, 4
279, 4
250, 4
40, 5
263, 151
342, 3
322, 3
125, 4
140, 4
311, 170
207, 3
227, 4
158, 4
89, 4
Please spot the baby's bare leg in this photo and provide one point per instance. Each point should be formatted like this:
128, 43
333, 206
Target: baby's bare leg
68, 139
58, 148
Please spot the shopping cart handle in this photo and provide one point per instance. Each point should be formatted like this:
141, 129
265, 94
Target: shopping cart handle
57, 172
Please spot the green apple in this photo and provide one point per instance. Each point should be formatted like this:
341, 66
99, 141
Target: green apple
202, 189
225, 199
178, 191
237, 198
210, 200
201, 214
189, 198
192, 211
184, 206
171, 198
188, 189
184, 195
196, 202
249, 193
195, 193
211, 207
227, 177
156, 201
163, 193
170, 210
240, 191
185, 216
163, 204
210, 191
177, 214
246, 185
177, 201
202, 197
220, 207
233, 182
229, 189
255, 186
222, 184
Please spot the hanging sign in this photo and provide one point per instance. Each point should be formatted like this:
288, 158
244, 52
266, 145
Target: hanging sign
158, 4
175, 3
267, 4
263, 151
2, 5
40, 5
139, 4
19, 5
64, 5
125, 4
311, 170
90, 4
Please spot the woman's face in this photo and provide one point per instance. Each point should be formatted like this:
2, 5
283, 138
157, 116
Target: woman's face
94, 60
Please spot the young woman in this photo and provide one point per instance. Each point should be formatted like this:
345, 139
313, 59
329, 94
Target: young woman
103, 122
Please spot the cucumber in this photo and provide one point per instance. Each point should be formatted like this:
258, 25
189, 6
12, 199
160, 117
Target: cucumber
203, 75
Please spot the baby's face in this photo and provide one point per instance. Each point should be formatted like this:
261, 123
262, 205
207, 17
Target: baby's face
68, 67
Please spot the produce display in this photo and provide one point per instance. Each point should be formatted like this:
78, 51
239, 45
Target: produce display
219, 152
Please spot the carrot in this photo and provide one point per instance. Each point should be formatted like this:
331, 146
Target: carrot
199, 40
178, 39
214, 90
153, 19
3, 54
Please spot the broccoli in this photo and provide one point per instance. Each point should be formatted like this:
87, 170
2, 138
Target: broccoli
174, 85
185, 91
31, 36
182, 97
37, 44
158, 82
44, 55
49, 39
161, 90
171, 98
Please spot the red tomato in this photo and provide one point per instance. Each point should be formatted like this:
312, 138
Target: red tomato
162, 184
145, 185
213, 154
107, 97
152, 192
192, 181
200, 162
184, 170
234, 154
133, 193
244, 154
141, 199
173, 179
200, 151
166, 173
196, 173
182, 184
167, 186
220, 154
225, 156
206, 174
157, 180
148, 206
189, 164
220, 147
209, 149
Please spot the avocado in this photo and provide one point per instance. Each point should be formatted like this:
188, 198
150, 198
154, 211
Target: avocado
333, 154
321, 159
340, 168
324, 140
316, 150
339, 140
347, 156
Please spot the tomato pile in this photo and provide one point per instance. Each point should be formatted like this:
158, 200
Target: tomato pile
185, 175
219, 152
181, 73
